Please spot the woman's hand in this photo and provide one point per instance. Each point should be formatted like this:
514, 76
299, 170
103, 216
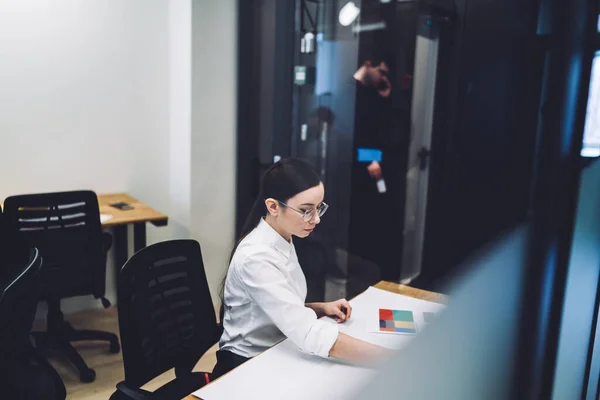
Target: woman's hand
340, 310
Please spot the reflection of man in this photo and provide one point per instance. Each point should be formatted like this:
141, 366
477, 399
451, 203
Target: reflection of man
374, 77
377, 192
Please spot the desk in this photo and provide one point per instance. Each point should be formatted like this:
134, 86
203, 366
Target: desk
412, 292
393, 288
138, 217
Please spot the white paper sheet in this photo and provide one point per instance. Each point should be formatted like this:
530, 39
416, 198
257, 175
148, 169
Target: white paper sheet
366, 305
105, 217
284, 372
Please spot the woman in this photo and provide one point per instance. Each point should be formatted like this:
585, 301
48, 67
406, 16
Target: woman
265, 289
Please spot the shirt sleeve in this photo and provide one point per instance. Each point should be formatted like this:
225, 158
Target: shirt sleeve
268, 287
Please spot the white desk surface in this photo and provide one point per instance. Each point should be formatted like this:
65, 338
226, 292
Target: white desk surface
284, 372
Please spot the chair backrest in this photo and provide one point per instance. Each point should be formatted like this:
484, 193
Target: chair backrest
18, 300
66, 228
166, 315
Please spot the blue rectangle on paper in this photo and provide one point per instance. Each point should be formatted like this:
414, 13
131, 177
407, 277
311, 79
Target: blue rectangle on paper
369, 155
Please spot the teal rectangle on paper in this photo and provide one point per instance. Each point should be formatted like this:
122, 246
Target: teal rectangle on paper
402, 315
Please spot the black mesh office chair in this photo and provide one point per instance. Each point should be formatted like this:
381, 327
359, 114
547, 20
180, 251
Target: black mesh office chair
24, 373
66, 228
166, 318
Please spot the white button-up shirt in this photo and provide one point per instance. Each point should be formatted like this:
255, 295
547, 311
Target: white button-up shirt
265, 291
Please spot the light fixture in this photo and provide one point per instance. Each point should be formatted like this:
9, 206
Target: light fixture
348, 13
590, 152
376, 26
307, 43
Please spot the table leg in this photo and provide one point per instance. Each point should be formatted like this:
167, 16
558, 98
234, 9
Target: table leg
139, 236
121, 246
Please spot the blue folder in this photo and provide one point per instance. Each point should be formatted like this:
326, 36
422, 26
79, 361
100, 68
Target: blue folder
369, 155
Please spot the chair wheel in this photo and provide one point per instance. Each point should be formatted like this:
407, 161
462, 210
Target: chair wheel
105, 302
115, 347
87, 376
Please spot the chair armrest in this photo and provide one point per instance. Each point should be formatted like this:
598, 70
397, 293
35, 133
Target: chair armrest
133, 393
107, 241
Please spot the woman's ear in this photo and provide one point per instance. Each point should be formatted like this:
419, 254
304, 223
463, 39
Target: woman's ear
272, 206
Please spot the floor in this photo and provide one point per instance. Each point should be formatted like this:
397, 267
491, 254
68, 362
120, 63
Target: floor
109, 367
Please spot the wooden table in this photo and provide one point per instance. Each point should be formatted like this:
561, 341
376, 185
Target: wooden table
412, 292
398, 289
140, 213
120, 219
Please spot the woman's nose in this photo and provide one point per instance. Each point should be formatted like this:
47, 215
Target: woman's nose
317, 219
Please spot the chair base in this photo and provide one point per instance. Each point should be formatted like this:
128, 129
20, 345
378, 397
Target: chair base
31, 376
178, 388
59, 336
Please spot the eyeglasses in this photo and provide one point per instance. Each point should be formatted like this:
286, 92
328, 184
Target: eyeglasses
308, 215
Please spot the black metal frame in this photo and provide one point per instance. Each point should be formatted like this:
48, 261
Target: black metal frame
265, 31
467, 47
593, 333
446, 115
555, 195
306, 12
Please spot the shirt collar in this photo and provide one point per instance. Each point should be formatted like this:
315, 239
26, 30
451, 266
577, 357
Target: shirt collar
274, 239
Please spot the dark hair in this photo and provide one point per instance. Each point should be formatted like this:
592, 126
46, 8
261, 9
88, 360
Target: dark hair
282, 181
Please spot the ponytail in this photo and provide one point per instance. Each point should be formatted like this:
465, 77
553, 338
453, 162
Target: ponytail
258, 211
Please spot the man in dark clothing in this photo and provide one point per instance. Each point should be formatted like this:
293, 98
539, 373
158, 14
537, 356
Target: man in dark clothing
377, 194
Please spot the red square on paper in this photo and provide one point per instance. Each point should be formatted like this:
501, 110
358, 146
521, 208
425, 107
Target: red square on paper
386, 314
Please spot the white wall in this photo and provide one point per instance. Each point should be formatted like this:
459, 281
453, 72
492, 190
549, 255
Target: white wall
214, 85
98, 94
180, 94
84, 95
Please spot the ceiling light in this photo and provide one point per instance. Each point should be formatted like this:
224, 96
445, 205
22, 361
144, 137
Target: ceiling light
348, 13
